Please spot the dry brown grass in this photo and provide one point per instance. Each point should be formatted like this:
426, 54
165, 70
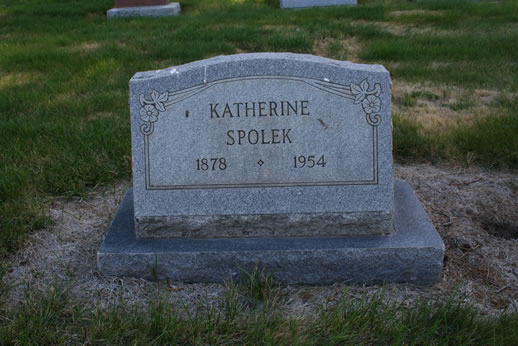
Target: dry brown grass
63, 98
349, 49
100, 115
321, 47
467, 206
440, 107
92, 16
415, 13
461, 204
18, 79
400, 29
85, 47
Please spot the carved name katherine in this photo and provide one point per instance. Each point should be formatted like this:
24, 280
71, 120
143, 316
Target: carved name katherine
227, 142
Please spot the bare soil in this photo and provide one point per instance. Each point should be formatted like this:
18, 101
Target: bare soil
474, 210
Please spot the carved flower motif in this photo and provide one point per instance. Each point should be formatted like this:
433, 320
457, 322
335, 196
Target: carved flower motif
371, 104
149, 113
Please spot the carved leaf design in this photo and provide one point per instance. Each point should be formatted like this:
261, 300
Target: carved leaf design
154, 96
156, 99
364, 85
160, 106
358, 93
163, 97
355, 89
377, 90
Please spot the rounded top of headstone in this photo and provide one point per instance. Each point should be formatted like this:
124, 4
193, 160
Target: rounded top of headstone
302, 65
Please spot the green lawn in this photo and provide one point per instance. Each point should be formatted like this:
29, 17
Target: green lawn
249, 313
64, 72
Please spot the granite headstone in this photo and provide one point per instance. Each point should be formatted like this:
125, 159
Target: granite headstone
314, 3
262, 145
137, 3
277, 159
143, 8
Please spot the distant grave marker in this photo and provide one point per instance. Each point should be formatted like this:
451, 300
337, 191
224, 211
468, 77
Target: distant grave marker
143, 8
315, 3
281, 160
136, 3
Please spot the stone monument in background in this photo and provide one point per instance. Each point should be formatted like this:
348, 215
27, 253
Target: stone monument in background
276, 160
143, 8
314, 3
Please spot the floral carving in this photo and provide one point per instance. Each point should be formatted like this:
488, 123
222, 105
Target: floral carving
150, 110
149, 113
371, 104
370, 100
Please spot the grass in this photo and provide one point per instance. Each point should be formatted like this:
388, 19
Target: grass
259, 287
64, 72
50, 317
491, 140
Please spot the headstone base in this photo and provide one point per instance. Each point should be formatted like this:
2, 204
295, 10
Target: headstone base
172, 9
413, 253
315, 3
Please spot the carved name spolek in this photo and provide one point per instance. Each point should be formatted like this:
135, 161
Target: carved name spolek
260, 109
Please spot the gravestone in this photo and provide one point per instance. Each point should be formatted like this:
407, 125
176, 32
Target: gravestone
273, 159
262, 145
143, 8
314, 3
137, 3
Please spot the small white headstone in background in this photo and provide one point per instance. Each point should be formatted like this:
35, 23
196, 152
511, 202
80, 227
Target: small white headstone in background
314, 3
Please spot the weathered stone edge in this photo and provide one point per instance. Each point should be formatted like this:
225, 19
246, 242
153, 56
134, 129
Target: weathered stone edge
203, 65
171, 9
414, 253
265, 225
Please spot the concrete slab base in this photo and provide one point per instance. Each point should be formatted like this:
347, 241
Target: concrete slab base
172, 9
315, 3
413, 253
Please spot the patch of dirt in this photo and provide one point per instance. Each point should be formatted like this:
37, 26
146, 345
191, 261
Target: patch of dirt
499, 229
459, 202
465, 205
